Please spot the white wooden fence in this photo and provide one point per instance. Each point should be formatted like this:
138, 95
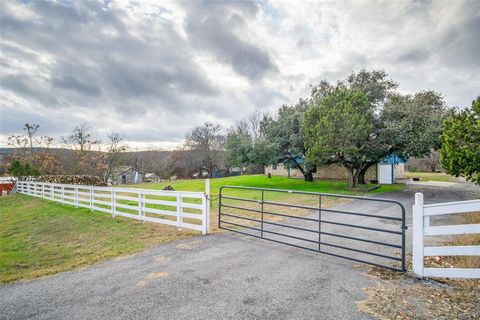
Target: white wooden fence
182, 209
422, 228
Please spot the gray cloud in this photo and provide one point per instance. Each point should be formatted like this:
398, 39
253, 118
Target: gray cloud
459, 43
72, 83
153, 70
20, 83
413, 56
211, 26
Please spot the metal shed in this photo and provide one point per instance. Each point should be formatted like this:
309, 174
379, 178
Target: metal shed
386, 169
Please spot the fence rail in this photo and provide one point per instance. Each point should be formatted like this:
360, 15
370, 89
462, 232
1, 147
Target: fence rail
422, 228
182, 209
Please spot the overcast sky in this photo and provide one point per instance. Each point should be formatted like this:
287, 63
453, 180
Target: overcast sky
155, 69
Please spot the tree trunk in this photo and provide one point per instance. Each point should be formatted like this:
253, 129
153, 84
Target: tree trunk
308, 176
352, 179
361, 177
362, 172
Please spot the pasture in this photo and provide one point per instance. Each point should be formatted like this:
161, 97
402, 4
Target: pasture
40, 237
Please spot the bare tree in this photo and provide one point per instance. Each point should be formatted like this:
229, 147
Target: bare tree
89, 161
209, 145
31, 130
115, 148
254, 120
81, 138
25, 143
35, 150
20, 143
184, 162
433, 160
164, 167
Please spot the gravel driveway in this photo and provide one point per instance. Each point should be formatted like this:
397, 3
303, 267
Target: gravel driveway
222, 276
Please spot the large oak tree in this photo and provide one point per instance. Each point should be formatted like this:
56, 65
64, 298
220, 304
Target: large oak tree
460, 152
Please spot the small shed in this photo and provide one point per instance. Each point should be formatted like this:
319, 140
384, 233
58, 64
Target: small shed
151, 177
126, 175
390, 168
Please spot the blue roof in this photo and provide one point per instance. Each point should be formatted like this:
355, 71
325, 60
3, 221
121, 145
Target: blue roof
295, 159
392, 159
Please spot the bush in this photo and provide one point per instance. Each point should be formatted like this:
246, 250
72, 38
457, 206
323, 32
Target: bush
73, 179
17, 169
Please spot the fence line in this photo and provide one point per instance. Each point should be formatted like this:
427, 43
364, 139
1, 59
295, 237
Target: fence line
190, 211
422, 228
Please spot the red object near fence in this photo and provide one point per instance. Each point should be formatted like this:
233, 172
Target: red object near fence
6, 188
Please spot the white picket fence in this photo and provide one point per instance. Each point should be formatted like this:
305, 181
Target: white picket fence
422, 228
182, 209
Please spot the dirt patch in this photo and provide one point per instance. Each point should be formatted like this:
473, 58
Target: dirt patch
161, 259
150, 277
188, 246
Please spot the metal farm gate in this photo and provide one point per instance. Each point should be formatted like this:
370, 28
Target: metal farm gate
304, 220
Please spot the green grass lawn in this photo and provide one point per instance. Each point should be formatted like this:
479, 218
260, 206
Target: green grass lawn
261, 181
40, 237
431, 176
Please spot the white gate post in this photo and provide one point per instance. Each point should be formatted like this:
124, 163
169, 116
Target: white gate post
417, 242
206, 208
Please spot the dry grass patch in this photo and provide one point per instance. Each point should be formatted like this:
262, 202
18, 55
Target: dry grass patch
460, 240
407, 299
400, 296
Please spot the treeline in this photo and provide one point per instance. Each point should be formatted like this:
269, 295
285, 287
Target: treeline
33, 154
82, 153
355, 123
157, 161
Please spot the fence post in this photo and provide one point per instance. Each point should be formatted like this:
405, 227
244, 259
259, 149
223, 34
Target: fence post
43, 190
179, 210
63, 193
206, 208
140, 206
113, 202
75, 196
91, 198
417, 242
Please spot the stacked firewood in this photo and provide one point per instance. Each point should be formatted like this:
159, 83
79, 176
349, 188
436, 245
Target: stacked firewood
75, 179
